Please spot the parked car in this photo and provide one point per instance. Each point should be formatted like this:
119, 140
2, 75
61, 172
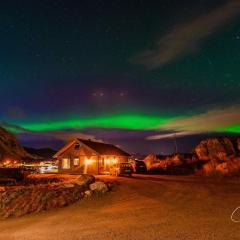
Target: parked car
139, 166
48, 167
121, 169
29, 169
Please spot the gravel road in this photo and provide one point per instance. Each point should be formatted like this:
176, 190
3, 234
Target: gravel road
142, 207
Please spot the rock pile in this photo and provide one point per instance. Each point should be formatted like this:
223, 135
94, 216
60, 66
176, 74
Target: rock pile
21, 200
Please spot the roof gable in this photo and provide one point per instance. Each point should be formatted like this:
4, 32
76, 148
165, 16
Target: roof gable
64, 148
98, 147
104, 148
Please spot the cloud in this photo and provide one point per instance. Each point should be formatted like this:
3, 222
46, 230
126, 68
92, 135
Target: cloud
187, 38
171, 135
206, 122
211, 121
14, 127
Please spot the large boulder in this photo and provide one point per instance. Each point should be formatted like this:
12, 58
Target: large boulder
220, 155
220, 149
99, 187
215, 168
233, 166
208, 169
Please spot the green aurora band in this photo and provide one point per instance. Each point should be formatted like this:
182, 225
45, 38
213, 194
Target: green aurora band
118, 121
230, 129
125, 121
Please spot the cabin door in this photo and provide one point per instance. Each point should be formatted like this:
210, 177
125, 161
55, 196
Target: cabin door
104, 167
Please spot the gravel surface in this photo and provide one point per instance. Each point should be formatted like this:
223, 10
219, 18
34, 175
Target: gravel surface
142, 207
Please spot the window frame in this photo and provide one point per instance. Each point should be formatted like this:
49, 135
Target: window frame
66, 165
77, 146
76, 161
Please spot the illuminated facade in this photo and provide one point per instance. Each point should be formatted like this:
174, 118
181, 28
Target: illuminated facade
86, 156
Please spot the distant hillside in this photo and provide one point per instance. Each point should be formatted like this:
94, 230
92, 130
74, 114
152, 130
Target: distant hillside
41, 152
11, 149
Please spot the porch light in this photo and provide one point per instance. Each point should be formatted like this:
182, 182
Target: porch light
114, 161
107, 160
7, 162
88, 161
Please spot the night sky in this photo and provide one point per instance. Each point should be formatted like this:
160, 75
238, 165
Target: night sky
132, 73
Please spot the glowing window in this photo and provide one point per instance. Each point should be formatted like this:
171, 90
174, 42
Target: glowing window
76, 161
65, 163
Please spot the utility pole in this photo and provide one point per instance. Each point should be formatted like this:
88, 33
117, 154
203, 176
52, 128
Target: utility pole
175, 143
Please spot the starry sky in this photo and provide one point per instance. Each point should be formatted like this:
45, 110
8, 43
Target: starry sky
134, 73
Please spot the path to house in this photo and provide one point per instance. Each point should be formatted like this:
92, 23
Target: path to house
142, 207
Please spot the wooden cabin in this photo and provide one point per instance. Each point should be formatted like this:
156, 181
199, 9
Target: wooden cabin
87, 156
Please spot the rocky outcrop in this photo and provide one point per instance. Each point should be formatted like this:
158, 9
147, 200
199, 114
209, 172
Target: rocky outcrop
221, 156
25, 199
215, 148
215, 168
10, 149
218, 156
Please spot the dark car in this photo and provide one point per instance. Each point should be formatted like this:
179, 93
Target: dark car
121, 169
139, 166
29, 169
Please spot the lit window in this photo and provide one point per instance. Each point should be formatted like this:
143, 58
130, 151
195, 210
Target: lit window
66, 163
76, 161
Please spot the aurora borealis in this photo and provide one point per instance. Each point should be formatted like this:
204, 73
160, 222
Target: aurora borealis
126, 72
115, 121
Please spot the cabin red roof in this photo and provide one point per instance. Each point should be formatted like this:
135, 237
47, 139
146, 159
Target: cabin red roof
104, 148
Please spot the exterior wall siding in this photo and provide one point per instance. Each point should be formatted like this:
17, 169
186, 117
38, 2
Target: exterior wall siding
82, 153
97, 163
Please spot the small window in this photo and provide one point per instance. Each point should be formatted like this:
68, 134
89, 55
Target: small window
76, 161
65, 163
77, 146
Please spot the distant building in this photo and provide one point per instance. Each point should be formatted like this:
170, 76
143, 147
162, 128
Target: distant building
87, 156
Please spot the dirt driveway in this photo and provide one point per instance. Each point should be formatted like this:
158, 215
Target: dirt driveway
142, 207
